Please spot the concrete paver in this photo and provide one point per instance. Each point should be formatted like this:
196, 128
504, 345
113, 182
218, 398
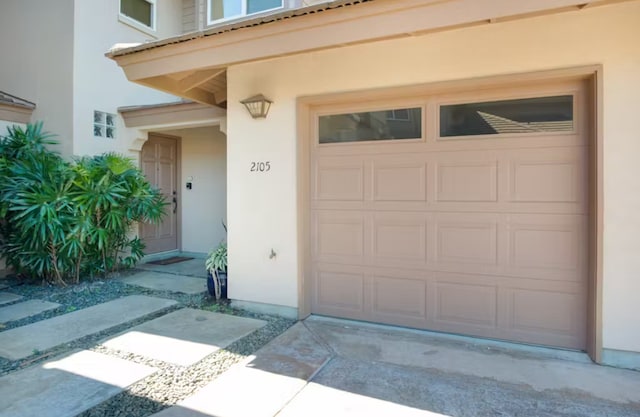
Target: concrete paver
270, 380
239, 392
25, 309
7, 297
184, 337
66, 387
167, 282
21, 342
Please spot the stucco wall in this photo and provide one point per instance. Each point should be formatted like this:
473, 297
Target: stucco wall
262, 207
204, 207
36, 40
98, 83
4, 124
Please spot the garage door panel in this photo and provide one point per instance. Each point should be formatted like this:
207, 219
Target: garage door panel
340, 292
399, 238
399, 299
466, 240
465, 304
466, 181
399, 181
339, 235
339, 179
547, 315
547, 247
548, 176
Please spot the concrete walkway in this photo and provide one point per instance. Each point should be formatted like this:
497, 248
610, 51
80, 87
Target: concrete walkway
325, 367
68, 386
22, 342
78, 381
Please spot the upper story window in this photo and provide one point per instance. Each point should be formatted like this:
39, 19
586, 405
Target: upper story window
219, 10
140, 13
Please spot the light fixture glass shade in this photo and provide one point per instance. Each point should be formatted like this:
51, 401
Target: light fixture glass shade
258, 106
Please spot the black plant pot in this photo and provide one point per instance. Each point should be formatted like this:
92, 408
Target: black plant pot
222, 277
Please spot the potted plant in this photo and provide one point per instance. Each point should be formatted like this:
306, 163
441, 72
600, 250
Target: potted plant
216, 265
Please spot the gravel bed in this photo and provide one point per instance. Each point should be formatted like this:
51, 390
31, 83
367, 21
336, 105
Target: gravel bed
171, 383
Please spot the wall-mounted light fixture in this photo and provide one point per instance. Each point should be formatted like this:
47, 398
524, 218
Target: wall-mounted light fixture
258, 106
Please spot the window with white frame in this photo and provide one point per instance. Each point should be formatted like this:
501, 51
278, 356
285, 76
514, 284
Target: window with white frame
220, 10
104, 125
139, 12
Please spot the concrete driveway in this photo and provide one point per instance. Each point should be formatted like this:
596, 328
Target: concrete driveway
326, 367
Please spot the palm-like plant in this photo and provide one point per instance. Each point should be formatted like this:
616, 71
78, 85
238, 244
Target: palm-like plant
60, 219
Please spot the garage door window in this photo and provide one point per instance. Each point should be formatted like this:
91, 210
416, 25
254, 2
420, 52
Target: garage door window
391, 124
528, 115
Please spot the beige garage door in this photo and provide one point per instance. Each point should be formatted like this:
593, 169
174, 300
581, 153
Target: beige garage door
463, 213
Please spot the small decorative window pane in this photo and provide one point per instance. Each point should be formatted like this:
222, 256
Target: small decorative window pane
140, 10
257, 6
221, 9
225, 9
371, 126
529, 115
104, 125
398, 114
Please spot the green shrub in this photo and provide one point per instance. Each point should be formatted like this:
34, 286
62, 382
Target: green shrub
61, 220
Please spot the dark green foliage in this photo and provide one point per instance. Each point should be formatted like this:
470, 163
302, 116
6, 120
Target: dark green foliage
60, 220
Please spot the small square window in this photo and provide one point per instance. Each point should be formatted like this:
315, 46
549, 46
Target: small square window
140, 11
104, 125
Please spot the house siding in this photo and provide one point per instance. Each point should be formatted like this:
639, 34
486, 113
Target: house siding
600, 35
189, 16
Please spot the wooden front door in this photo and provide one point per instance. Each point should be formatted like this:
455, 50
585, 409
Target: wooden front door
159, 164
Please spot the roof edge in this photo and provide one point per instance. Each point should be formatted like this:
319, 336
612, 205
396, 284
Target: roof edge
15, 101
119, 50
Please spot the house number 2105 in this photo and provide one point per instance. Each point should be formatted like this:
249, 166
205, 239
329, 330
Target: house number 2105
261, 166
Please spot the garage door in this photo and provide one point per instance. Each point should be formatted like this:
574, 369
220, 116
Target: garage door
464, 213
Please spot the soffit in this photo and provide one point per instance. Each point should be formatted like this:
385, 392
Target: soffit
193, 66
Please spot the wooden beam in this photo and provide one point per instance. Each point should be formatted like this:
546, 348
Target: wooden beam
197, 78
172, 86
200, 95
221, 96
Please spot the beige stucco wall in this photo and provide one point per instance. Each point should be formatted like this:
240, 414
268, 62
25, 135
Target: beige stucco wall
5, 124
262, 207
204, 207
53, 55
98, 83
36, 40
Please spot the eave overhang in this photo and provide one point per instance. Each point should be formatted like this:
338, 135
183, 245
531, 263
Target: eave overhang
193, 66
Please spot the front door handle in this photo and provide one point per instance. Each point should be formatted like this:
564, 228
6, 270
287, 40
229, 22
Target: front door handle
175, 205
